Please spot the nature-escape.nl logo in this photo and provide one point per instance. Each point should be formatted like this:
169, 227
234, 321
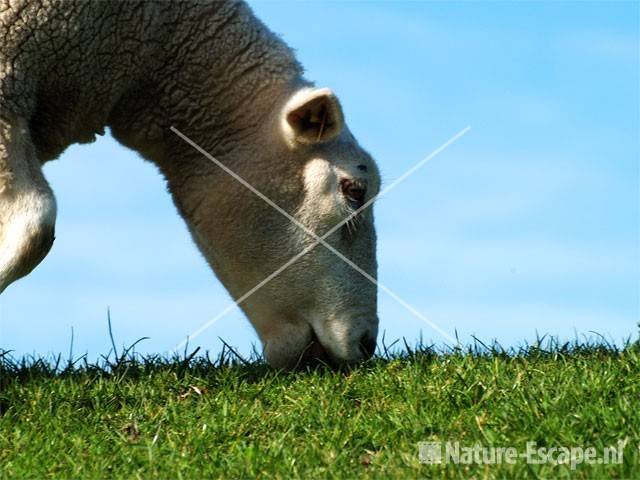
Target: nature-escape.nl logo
453, 452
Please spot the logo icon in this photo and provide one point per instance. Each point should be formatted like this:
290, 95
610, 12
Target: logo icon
430, 452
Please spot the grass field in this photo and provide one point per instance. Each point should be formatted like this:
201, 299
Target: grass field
196, 418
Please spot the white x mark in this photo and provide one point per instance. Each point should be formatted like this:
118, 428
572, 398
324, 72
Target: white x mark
318, 239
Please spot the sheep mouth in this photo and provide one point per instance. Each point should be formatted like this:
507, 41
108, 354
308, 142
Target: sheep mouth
315, 354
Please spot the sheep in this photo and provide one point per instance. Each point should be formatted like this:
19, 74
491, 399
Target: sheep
71, 69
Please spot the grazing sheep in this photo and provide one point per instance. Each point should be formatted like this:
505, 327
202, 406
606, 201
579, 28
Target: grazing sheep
211, 69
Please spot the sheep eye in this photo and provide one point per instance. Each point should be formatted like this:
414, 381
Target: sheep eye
354, 192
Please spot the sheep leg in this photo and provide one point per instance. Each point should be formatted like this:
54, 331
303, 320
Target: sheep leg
27, 204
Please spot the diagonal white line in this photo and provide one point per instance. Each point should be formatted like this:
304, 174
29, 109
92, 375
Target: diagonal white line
241, 299
319, 240
408, 173
246, 184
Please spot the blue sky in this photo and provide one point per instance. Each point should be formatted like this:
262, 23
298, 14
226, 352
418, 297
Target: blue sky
530, 223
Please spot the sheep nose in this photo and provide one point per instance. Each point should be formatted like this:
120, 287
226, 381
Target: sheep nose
368, 345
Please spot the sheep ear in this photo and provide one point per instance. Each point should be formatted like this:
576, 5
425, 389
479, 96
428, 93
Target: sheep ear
312, 116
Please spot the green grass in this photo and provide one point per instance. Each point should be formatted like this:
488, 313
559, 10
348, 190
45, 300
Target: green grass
198, 418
